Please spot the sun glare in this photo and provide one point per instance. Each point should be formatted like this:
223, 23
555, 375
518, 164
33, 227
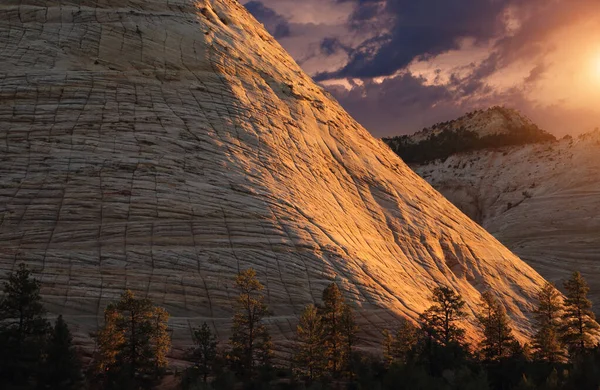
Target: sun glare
596, 67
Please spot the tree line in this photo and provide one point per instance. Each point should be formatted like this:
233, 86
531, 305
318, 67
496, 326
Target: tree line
447, 139
431, 353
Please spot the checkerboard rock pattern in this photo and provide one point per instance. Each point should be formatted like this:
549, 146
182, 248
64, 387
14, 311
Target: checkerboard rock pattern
163, 145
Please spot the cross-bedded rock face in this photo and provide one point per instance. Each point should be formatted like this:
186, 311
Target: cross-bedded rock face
161, 146
541, 200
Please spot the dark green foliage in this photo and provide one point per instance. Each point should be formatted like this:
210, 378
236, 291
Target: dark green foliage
368, 371
435, 147
399, 345
417, 377
434, 356
388, 347
204, 356
334, 340
547, 344
440, 339
507, 372
62, 367
585, 374
251, 347
579, 329
350, 337
132, 344
451, 141
497, 334
441, 321
309, 357
225, 380
24, 331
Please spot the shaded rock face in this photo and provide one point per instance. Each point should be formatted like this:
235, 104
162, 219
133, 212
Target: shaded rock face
542, 201
162, 146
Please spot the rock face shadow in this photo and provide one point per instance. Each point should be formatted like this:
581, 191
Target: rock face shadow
164, 146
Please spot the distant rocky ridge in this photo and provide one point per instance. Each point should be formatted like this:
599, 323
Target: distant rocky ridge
492, 128
541, 200
163, 146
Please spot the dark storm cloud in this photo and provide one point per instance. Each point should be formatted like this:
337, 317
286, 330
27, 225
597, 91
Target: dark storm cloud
405, 104
420, 29
398, 105
422, 105
276, 24
382, 37
366, 11
330, 46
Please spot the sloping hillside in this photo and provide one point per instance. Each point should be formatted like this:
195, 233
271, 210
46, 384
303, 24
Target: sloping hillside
492, 128
540, 200
162, 146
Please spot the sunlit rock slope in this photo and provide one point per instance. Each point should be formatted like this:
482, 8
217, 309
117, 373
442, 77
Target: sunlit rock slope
162, 146
541, 200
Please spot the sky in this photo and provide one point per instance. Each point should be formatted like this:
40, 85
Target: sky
398, 66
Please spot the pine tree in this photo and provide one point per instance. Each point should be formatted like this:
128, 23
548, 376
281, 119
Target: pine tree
160, 339
498, 338
135, 320
62, 367
579, 326
333, 341
250, 339
547, 345
205, 353
388, 348
405, 340
110, 340
310, 351
23, 330
440, 339
350, 338
399, 345
440, 320
133, 342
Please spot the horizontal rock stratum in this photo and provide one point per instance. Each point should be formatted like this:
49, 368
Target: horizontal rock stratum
162, 146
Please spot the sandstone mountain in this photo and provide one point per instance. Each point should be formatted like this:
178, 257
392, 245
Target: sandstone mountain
497, 126
162, 146
541, 200
493, 121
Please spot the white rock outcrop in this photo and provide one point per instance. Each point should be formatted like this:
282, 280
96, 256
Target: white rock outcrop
164, 145
542, 201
